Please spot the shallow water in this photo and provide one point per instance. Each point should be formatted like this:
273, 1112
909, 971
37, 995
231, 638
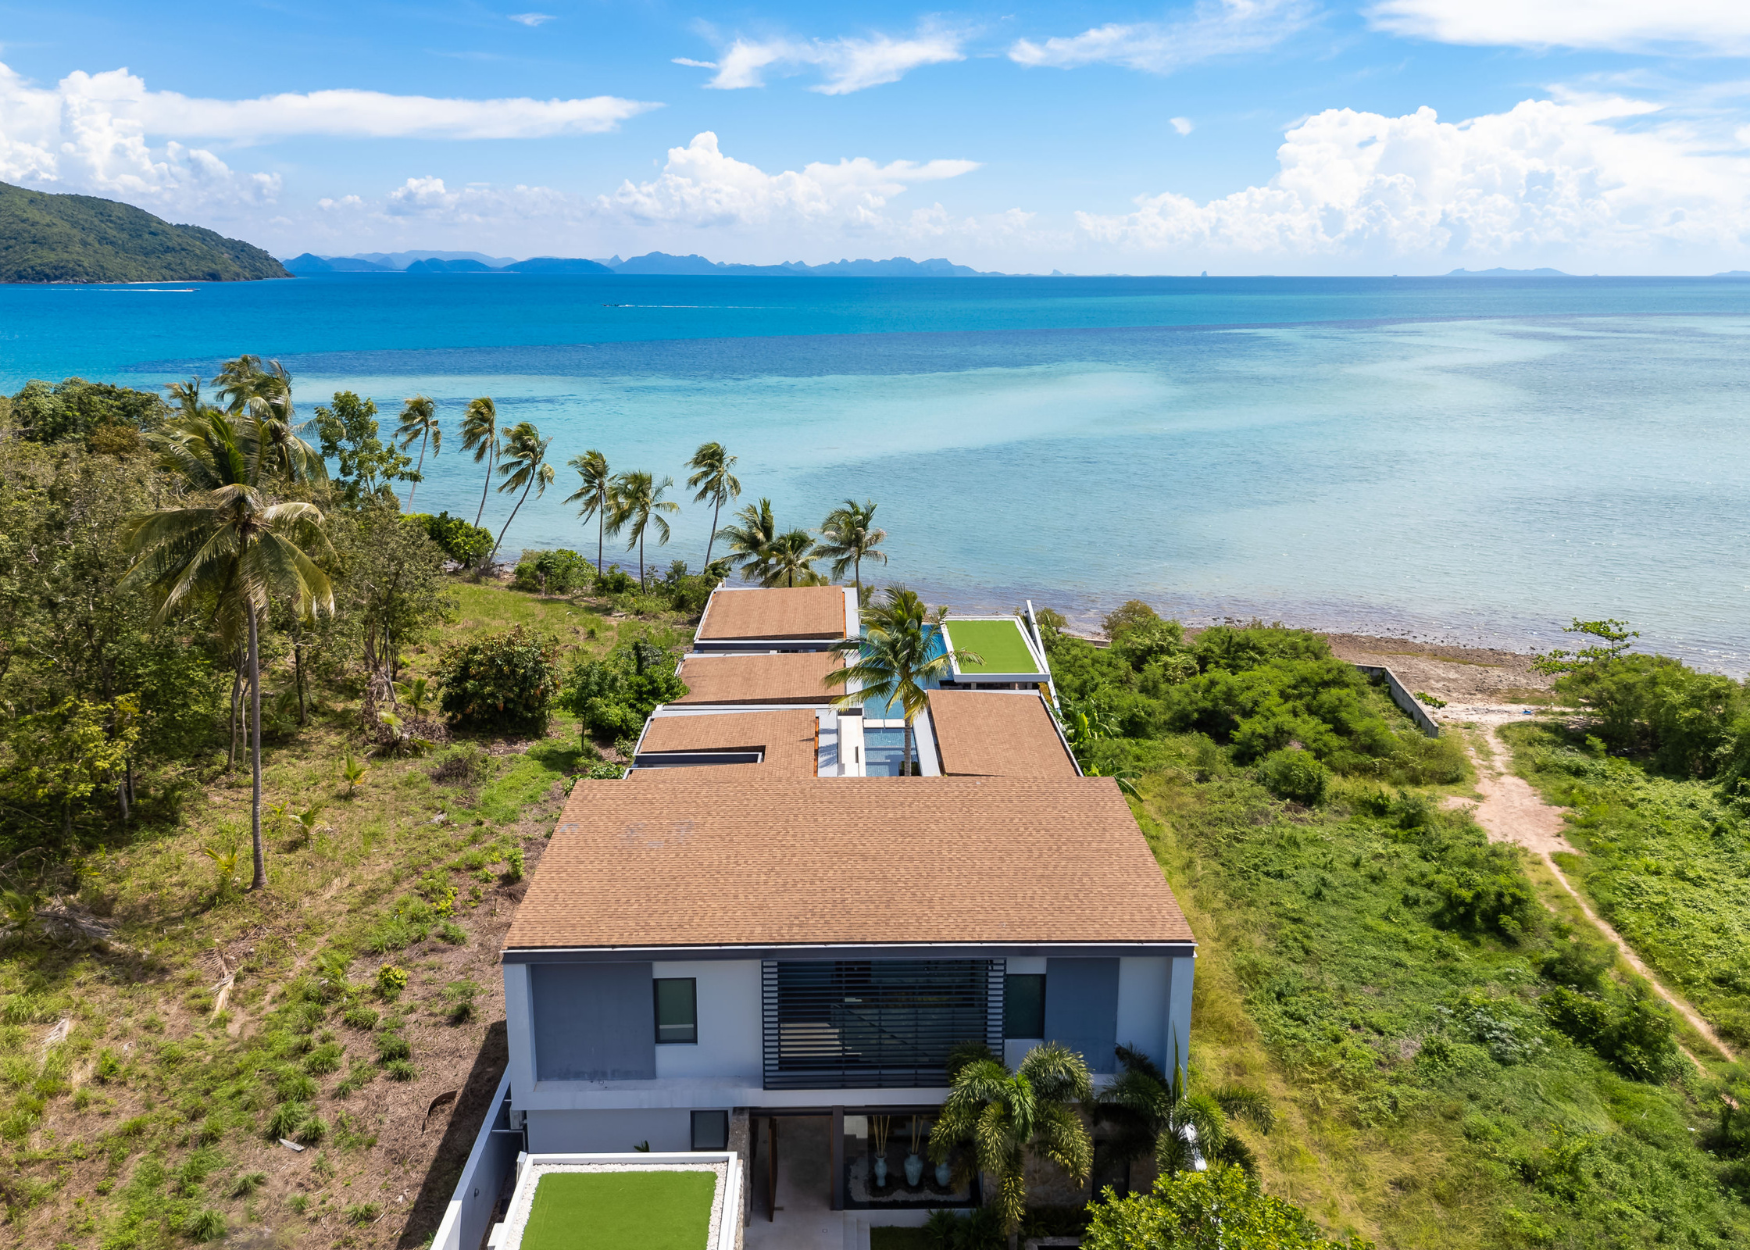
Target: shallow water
1476, 461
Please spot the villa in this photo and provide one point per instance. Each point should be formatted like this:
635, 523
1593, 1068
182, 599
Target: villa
765, 924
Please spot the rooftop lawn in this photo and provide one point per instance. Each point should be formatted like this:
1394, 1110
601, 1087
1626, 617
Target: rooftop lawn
621, 1211
999, 642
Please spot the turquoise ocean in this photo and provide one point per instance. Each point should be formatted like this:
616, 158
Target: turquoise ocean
1470, 461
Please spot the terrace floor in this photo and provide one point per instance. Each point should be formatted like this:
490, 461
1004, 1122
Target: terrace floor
804, 1220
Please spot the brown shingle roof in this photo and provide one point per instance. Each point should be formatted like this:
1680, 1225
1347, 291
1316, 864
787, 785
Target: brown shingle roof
684, 859
994, 733
789, 739
776, 614
782, 677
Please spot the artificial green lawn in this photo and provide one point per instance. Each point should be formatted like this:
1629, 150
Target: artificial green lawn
621, 1211
999, 642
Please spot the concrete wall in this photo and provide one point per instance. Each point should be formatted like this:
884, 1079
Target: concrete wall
590, 1132
731, 1041
593, 1022
1401, 696
1143, 989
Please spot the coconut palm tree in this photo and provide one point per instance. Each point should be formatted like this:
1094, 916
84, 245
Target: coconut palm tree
419, 423
892, 661
596, 495
1151, 1115
233, 539
714, 481
480, 436
750, 542
263, 390
849, 537
1001, 1117
187, 396
790, 558
524, 464
638, 504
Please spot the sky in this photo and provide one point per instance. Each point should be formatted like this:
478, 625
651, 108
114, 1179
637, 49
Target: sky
1228, 136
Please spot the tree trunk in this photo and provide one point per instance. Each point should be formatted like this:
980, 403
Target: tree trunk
641, 560
417, 470
486, 486
905, 768
600, 531
260, 880
298, 670
236, 689
506, 529
857, 562
715, 509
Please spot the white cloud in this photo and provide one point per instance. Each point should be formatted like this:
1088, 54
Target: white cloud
700, 186
531, 19
1180, 124
1214, 28
1544, 180
1717, 26
848, 64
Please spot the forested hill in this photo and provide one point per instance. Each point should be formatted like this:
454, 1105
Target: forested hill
79, 238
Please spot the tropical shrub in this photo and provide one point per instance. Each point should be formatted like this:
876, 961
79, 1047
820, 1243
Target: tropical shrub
553, 572
1485, 890
1221, 1209
465, 543
1630, 1028
613, 697
1295, 775
504, 682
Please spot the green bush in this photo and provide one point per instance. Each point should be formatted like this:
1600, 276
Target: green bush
1295, 775
392, 1046
1579, 962
616, 582
1486, 891
553, 572
360, 1017
204, 1225
1222, 1209
390, 982
613, 697
1631, 1029
399, 1070
465, 543
286, 1118
501, 682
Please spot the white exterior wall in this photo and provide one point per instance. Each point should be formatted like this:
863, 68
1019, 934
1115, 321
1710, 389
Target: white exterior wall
1144, 986
731, 1040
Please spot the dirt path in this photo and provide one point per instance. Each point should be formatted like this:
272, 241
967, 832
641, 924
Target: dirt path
1512, 811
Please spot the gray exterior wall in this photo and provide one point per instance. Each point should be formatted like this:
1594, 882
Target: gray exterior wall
594, 1022
1081, 1008
608, 1132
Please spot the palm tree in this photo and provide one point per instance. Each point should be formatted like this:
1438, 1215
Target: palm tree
893, 660
714, 481
419, 422
1002, 1116
750, 542
596, 494
231, 538
849, 537
638, 504
525, 464
789, 556
480, 436
263, 390
1151, 1115
187, 396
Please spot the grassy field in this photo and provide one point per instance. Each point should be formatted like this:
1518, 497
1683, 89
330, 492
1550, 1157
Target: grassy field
154, 1120
1665, 862
621, 1211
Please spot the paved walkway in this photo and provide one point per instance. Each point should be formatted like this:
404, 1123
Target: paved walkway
804, 1220
1513, 811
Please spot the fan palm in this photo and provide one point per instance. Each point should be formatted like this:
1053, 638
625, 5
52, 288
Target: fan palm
891, 661
789, 558
1151, 1115
419, 423
595, 494
849, 537
480, 436
712, 478
750, 542
233, 540
1002, 1116
638, 504
524, 464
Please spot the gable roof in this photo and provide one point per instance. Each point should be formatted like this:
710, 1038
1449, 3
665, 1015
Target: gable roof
789, 738
997, 733
778, 677
686, 858
776, 614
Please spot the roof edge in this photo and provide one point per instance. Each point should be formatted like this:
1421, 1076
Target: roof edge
1166, 947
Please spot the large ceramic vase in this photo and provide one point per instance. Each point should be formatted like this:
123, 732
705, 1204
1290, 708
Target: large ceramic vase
914, 1169
880, 1171
944, 1174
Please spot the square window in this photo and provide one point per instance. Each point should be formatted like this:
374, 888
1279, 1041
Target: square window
710, 1130
677, 1011
1024, 1005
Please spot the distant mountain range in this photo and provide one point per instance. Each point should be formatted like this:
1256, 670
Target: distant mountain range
79, 238
1508, 273
658, 263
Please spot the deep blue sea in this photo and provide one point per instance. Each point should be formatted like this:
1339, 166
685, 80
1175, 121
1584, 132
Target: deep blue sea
1473, 461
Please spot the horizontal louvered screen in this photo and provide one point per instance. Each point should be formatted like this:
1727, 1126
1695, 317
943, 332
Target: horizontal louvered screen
876, 1024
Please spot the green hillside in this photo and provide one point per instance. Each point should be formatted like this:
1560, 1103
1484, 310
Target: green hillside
79, 238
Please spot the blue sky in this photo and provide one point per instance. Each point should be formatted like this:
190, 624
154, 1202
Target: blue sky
1237, 136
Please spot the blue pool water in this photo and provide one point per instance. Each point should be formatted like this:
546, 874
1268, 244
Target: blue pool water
1476, 460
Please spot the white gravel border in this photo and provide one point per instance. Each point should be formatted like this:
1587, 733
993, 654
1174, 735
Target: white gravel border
517, 1218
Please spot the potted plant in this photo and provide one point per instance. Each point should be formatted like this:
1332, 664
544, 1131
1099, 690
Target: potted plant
914, 1164
878, 1129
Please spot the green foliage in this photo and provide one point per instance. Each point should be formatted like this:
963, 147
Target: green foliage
204, 1225
1221, 1209
74, 410
553, 572
348, 432
613, 697
1295, 775
465, 543
1579, 962
359, 1017
459, 999
1631, 1028
1484, 889
977, 1229
500, 682
391, 981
